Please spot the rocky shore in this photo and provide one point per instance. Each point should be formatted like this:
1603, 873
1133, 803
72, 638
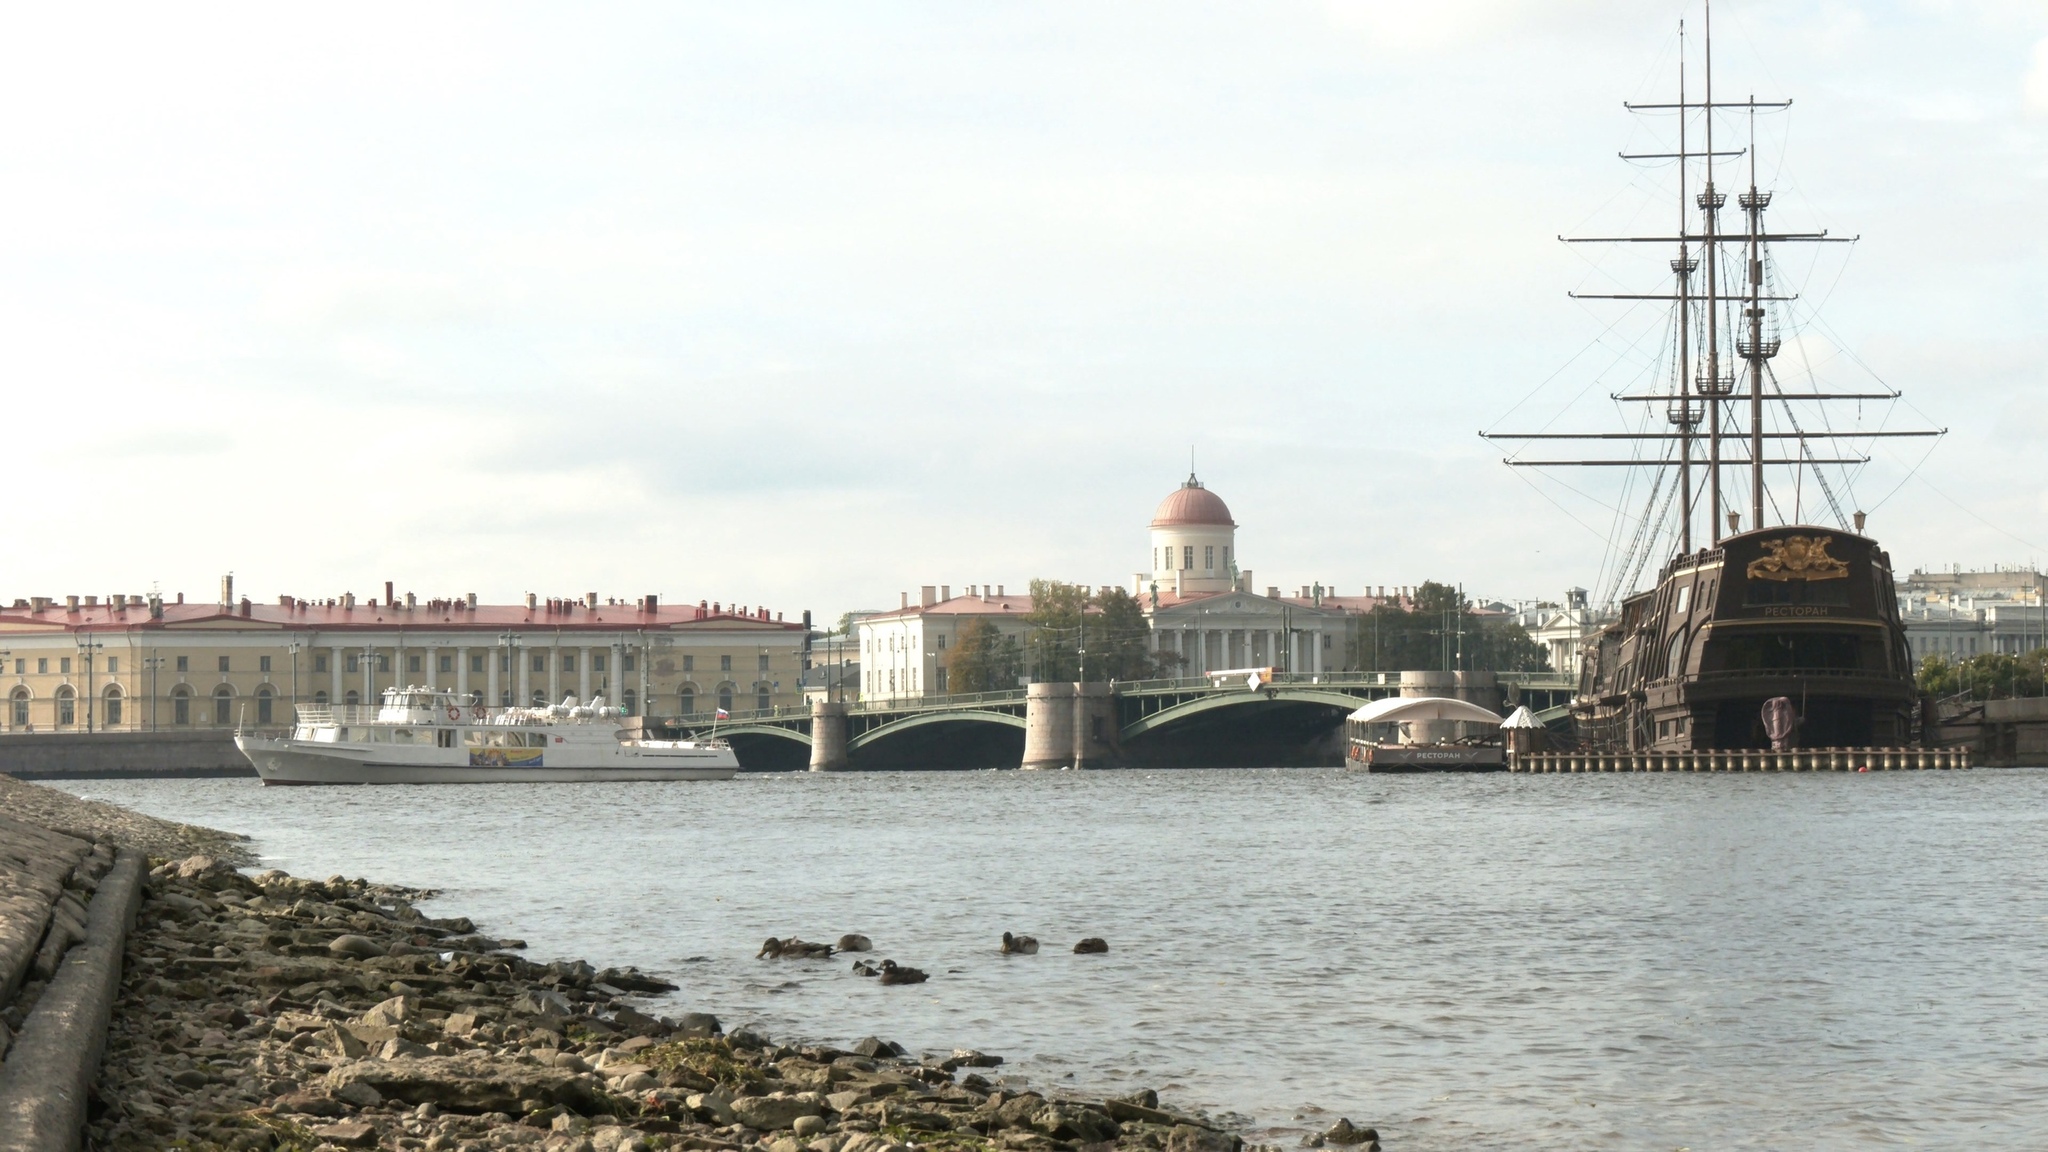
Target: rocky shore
267, 1011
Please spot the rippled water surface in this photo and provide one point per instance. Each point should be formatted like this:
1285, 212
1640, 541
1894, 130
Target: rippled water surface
1837, 962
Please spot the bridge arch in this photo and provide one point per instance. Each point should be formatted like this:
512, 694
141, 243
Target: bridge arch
922, 719
966, 738
1210, 703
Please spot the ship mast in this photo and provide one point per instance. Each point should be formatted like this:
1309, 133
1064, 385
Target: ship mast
1683, 416
1710, 203
1756, 349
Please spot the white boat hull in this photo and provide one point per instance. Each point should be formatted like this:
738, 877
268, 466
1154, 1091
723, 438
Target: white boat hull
287, 761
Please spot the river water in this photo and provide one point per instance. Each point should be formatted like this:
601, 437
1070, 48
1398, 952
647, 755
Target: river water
1467, 962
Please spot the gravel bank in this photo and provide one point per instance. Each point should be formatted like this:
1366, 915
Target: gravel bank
88, 820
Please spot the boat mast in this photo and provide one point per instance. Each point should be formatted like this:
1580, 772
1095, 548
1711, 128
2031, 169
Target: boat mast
1683, 268
1756, 349
1710, 203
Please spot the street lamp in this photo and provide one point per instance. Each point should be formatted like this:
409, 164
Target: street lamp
511, 643
152, 662
86, 647
293, 648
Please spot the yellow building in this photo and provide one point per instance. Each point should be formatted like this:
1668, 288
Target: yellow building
141, 663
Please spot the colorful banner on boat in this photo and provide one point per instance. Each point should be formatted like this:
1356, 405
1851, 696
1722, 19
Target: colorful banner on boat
504, 757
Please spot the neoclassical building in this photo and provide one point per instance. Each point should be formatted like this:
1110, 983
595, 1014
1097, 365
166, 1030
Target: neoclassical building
133, 662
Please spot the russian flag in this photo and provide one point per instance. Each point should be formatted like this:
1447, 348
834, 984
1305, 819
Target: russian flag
722, 714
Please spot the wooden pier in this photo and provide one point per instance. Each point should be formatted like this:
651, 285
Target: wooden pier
1747, 760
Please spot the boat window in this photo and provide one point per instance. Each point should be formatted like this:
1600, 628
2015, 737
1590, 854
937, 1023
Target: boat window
1829, 592
1788, 650
476, 738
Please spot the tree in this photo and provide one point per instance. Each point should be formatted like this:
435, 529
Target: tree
982, 659
1438, 633
1985, 676
1111, 625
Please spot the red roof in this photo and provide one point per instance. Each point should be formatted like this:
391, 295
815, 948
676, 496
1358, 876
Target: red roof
1192, 504
427, 615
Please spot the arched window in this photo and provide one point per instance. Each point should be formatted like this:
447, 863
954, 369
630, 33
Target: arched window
725, 696
1674, 664
67, 706
353, 698
540, 697
320, 698
20, 708
112, 711
686, 699
764, 698
263, 705
630, 705
181, 705
223, 704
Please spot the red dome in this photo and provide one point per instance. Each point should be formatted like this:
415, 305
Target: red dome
1192, 504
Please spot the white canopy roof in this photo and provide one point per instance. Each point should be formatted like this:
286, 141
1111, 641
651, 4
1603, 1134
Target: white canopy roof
1521, 718
1401, 710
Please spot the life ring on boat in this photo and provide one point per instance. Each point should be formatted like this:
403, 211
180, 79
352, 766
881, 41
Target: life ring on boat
477, 713
454, 713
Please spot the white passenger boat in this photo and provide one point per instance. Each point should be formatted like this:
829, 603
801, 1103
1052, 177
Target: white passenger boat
432, 736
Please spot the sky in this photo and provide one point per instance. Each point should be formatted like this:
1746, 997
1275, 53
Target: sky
805, 306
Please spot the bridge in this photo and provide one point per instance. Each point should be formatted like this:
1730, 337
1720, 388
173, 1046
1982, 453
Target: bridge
1215, 720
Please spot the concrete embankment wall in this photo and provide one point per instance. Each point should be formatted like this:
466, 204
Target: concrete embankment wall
66, 907
82, 755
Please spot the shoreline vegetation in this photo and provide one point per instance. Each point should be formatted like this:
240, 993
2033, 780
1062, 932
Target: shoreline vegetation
273, 1013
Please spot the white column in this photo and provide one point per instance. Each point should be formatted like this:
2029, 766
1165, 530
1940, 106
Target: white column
429, 656
462, 671
335, 664
399, 675
554, 673
491, 689
583, 675
523, 680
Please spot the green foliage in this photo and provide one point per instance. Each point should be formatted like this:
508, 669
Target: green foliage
1431, 636
982, 659
705, 1057
1111, 626
1985, 676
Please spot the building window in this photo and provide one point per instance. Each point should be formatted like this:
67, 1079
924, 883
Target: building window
67, 707
1326, 641
20, 709
763, 699
223, 663
320, 698
762, 661
1226, 555
1188, 557
263, 706
725, 663
627, 662
505, 698
319, 663
445, 664
42, 665
1209, 557
412, 664
942, 646
476, 664
540, 698
223, 699
632, 703
20, 667
113, 665
262, 664
64, 665
113, 709
689, 663
725, 697
568, 662
181, 705
942, 681
352, 665
597, 662
383, 662
686, 700
353, 698
540, 662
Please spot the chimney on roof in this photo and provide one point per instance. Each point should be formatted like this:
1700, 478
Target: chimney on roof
652, 603
945, 593
999, 591
1272, 592
388, 599
156, 606
903, 602
92, 601
227, 590
181, 597
245, 605
348, 601
927, 595
410, 602
532, 601
471, 601
284, 601
71, 603
590, 600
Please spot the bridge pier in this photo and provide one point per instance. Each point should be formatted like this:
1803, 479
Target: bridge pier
1069, 725
828, 736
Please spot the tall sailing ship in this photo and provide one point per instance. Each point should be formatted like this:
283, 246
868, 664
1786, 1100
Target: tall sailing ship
1757, 634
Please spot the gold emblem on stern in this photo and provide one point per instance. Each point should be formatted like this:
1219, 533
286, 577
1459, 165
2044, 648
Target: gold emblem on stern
1798, 558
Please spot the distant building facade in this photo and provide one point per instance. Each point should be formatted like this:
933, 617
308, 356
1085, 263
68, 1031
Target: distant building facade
133, 662
1958, 614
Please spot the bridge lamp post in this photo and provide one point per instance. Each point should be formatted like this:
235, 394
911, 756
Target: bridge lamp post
152, 662
511, 643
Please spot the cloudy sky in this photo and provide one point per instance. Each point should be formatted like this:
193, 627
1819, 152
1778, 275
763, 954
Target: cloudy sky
807, 305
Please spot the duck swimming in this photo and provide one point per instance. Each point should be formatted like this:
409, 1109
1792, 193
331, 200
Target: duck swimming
1019, 945
855, 942
793, 949
1093, 945
894, 974
863, 968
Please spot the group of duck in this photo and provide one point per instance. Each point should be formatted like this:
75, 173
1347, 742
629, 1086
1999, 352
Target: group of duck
890, 972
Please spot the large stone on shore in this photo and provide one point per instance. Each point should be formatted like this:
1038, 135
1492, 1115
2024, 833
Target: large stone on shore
1189, 1138
391, 1013
541, 1002
361, 947
468, 1082
1343, 1132
1072, 1122
772, 1113
348, 1134
700, 1025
